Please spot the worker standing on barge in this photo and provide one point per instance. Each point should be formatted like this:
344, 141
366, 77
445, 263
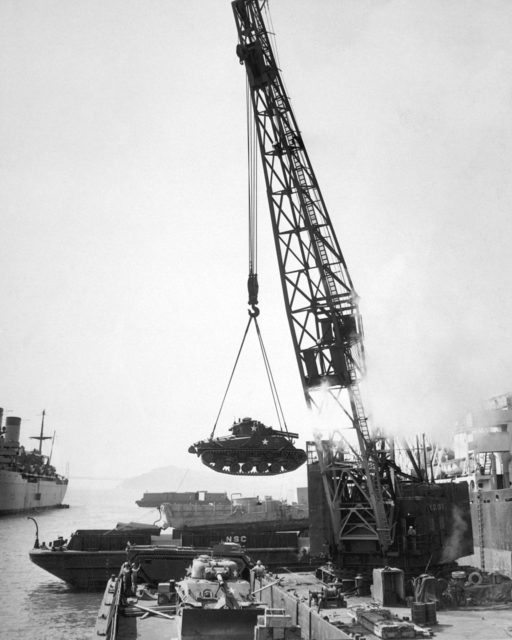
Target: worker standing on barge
135, 568
126, 572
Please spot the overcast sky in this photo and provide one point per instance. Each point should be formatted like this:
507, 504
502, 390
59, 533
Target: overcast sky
123, 208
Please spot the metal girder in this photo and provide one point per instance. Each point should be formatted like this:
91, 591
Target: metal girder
320, 300
349, 494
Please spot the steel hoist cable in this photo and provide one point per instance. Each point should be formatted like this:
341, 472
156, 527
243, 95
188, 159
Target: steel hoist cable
252, 282
252, 186
270, 376
232, 374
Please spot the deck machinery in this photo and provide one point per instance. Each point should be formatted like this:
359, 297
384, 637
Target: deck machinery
360, 483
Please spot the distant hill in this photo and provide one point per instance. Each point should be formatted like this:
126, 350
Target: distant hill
200, 479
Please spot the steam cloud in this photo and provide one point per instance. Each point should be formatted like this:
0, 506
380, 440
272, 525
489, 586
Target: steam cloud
453, 544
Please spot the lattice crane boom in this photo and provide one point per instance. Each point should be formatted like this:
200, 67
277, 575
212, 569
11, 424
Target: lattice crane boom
320, 300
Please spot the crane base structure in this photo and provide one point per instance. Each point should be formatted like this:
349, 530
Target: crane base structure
431, 523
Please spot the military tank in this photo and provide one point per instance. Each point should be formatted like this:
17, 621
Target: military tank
253, 449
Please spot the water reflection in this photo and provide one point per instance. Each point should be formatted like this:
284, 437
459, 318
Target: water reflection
68, 612
36, 605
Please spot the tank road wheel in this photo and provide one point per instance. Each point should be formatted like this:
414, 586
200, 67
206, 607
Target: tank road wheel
262, 467
275, 467
234, 468
247, 467
289, 464
207, 457
220, 463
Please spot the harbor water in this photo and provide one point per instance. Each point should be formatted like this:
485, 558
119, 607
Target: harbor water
35, 605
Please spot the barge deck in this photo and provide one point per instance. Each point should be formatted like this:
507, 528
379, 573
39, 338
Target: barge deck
143, 618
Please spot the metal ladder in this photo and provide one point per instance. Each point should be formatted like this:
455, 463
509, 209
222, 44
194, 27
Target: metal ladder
480, 523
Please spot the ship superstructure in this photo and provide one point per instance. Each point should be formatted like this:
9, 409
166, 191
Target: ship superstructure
27, 479
482, 457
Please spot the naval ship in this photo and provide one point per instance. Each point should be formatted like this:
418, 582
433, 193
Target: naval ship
482, 456
27, 479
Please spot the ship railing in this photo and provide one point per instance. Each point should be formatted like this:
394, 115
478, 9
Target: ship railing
106, 624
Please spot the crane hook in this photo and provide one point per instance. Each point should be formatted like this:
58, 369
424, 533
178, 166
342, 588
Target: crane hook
252, 286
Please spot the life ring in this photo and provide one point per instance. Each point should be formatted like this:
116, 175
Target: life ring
475, 578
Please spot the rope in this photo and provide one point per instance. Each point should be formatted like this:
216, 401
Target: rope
231, 376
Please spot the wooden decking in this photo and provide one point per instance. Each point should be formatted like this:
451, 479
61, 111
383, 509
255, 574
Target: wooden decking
146, 626
140, 618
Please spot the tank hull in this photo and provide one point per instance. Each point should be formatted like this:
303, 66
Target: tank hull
252, 450
20, 493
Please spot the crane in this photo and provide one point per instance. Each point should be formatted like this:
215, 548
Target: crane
320, 299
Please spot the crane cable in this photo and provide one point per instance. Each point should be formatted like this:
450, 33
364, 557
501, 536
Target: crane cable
270, 376
252, 282
231, 376
252, 186
268, 370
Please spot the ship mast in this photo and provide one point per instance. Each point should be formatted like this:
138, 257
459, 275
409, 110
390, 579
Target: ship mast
41, 436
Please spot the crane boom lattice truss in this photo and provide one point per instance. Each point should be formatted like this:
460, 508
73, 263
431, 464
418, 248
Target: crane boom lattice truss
320, 299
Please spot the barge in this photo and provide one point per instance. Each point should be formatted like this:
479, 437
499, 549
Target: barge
90, 556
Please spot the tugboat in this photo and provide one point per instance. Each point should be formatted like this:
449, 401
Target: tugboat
252, 450
27, 479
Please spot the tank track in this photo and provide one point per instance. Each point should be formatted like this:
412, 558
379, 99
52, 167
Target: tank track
250, 462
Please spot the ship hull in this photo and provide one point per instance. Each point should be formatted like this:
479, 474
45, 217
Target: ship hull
247, 513
226, 527
90, 570
491, 519
20, 493
87, 570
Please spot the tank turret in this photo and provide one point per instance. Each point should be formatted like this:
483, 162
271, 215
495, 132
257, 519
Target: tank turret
252, 449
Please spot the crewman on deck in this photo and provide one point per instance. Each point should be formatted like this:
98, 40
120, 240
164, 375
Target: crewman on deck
126, 574
135, 574
259, 572
411, 538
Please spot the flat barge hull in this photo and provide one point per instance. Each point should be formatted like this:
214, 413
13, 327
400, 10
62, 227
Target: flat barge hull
90, 570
